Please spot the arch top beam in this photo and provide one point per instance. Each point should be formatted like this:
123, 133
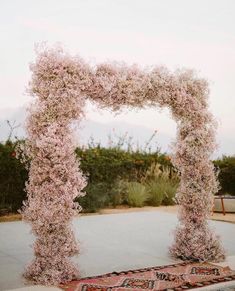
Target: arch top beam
116, 84
61, 85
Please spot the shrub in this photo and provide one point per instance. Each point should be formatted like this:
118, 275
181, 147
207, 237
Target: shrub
156, 194
161, 181
109, 164
118, 193
12, 178
226, 177
113, 166
108, 171
157, 170
170, 191
96, 197
136, 194
161, 191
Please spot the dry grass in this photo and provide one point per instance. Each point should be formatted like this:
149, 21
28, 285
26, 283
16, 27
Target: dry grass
10, 217
126, 209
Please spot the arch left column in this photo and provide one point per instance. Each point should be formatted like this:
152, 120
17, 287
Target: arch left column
54, 175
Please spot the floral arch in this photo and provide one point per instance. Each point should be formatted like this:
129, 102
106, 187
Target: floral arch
61, 84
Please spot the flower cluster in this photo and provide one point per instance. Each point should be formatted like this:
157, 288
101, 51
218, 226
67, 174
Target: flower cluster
61, 84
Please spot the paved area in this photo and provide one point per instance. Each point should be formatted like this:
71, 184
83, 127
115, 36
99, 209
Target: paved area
111, 242
228, 217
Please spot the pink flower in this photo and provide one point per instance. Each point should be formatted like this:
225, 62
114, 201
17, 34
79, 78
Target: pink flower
60, 85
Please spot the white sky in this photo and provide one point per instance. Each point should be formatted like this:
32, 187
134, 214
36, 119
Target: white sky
198, 34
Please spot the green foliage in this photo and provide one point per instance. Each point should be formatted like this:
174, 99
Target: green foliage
158, 170
226, 167
12, 178
156, 192
169, 191
108, 164
162, 182
112, 174
96, 197
161, 192
136, 194
119, 192
112, 167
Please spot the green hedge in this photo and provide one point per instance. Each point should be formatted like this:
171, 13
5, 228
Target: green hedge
12, 178
107, 164
105, 167
226, 166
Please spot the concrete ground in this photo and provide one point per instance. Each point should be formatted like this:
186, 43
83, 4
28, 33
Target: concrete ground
111, 242
228, 217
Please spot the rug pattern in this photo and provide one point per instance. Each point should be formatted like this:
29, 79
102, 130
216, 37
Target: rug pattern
177, 277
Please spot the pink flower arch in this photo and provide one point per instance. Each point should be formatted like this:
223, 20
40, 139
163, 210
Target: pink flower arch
61, 84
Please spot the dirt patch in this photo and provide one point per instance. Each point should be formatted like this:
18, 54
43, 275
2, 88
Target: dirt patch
10, 217
228, 217
169, 209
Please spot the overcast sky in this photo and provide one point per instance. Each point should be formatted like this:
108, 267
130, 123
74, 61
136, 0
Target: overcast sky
198, 34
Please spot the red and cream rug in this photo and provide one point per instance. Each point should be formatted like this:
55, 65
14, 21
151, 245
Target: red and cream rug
183, 276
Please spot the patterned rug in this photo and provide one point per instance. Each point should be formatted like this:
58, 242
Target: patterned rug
183, 276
